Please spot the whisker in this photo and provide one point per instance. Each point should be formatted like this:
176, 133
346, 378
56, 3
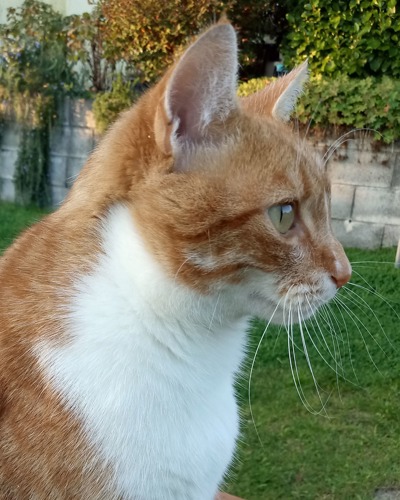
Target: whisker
356, 300
214, 311
372, 292
277, 337
294, 367
332, 149
180, 267
324, 343
293, 363
339, 142
357, 263
305, 350
252, 369
327, 307
354, 317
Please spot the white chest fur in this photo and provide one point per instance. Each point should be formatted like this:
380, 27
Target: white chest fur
149, 373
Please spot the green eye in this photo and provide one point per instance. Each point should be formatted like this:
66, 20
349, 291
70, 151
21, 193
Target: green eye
282, 217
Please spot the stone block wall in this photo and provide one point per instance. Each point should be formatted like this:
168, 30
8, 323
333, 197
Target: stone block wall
365, 192
365, 178
71, 140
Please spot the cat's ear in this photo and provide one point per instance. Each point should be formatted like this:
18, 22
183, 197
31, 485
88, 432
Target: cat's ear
278, 99
200, 92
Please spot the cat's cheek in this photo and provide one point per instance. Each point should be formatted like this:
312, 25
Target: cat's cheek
257, 294
266, 310
282, 301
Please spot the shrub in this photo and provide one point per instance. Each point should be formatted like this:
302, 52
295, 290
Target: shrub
357, 37
346, 102
87, 45
148, 37
33, 74
108, 105
252, 85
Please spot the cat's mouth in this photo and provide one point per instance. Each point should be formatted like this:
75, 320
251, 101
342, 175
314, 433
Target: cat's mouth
286, 310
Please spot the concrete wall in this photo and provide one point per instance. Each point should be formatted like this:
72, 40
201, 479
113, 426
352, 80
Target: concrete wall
71, 141
365, 192
365, 180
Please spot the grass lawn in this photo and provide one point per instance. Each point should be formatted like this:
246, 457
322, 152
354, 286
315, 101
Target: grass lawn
347, 445
13, 219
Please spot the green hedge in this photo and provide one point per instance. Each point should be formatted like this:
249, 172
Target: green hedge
345, 102
108, 105
359, 38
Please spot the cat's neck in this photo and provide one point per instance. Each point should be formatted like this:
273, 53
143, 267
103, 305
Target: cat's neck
145, 352
128, 290
121, 160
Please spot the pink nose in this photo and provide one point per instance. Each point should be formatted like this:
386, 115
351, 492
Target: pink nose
342, 273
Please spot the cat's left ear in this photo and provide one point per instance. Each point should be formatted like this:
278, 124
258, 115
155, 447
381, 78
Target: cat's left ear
278, 99
200, 92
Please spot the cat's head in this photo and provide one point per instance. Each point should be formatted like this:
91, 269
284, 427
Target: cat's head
244, 208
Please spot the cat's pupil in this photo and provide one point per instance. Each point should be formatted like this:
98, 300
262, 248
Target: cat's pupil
282, 217
285, 209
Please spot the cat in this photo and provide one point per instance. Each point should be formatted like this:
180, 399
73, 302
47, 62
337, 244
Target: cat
123, 314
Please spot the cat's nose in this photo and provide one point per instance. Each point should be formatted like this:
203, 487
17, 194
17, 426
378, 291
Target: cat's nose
342, 272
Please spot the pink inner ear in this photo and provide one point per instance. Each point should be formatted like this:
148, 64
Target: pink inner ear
187, 107
202, 87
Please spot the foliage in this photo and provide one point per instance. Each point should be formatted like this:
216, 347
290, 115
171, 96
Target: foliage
357, 37
108, 105
87, 45
148, 38
252, 85
32, 163
33, 50
33, 74
372, 103
367, 103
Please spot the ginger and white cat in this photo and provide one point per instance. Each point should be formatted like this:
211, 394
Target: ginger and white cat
123, 315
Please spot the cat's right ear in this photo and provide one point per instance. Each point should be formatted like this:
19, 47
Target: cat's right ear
278, 99
200, 92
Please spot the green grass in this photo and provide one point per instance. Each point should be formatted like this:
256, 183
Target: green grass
353, 447
13, 219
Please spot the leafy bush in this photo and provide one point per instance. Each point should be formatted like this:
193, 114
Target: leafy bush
108, 105
87, 45
357, 37
346, 102
33, 74
252, 85
148, 37
33, 50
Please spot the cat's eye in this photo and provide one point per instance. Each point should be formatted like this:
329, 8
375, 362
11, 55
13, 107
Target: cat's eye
282, 217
